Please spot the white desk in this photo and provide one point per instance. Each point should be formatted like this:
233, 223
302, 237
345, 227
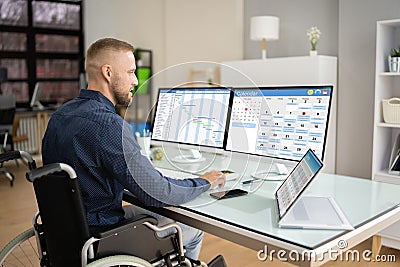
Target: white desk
251, 220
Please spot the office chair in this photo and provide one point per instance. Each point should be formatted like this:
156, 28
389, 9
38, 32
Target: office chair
61, 236
7, 113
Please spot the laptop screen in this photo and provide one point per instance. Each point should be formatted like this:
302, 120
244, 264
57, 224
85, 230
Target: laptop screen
300, 177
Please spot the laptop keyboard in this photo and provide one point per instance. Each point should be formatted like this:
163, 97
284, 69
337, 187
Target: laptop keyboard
299, 211
176, 174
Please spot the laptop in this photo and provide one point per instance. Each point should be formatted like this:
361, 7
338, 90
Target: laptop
307, 212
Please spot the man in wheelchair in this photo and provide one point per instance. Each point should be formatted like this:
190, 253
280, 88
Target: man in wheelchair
87, 134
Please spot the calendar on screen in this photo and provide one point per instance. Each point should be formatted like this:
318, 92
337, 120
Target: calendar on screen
281, 122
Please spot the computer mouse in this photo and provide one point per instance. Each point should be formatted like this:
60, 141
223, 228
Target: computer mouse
230, 175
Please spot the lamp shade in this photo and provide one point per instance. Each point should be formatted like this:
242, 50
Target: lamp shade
264, 27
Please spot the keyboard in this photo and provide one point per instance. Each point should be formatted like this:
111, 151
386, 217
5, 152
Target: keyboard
176, 174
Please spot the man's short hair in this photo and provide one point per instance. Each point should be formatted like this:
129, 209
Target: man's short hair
108, 43
104, 44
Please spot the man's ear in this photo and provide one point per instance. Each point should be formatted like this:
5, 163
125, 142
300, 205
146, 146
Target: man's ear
106, 71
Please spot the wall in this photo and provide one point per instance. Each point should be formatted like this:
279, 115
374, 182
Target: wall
348, 31
203, 30
139, 22
295, 18
357, 41
177, 31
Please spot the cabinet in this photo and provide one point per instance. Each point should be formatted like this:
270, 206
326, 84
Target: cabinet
139, 113
306, 70
387, 85
41, 41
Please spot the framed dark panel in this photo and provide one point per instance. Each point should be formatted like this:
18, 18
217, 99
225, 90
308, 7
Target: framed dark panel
14, 12
41, 41
56, 15
13, 41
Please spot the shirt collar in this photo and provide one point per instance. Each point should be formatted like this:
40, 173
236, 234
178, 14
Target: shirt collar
97, 96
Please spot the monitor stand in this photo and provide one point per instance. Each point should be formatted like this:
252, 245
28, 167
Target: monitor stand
194, 157
37, 106
277, 172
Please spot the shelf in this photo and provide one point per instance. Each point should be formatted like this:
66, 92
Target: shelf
140, 111
389, 73
388, 125
387, 37
385, 177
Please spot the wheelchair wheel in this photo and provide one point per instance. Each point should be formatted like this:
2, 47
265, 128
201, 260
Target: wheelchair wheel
21, 251
124, 260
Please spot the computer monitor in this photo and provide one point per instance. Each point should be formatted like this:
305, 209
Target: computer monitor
35, 103
280, 122
192, 118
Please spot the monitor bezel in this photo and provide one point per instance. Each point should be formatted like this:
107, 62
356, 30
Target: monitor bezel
285, 87
184, 145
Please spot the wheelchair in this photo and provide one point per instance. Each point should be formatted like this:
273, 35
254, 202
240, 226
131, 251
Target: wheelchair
60, 235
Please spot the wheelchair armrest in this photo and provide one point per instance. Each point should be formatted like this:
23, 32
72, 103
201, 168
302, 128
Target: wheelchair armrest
50, 169
124, 225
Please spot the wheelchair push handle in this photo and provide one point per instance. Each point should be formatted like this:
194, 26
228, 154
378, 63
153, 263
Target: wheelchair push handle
11, 155
49, 169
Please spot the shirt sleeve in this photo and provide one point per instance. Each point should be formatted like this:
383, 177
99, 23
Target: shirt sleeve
121, 155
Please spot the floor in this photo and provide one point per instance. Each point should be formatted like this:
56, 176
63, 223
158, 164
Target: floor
18, 207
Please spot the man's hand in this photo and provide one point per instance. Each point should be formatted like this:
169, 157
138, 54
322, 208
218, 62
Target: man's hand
215, 178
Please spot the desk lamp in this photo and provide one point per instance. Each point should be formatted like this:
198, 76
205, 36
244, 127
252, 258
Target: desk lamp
3, 77
264, 28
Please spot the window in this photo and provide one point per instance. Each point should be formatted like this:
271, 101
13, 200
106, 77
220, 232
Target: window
41, 41
14, 12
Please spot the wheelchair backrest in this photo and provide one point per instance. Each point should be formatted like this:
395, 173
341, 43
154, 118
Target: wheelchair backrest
63, 217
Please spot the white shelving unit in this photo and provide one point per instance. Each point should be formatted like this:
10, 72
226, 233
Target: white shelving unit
303, 70
387, 85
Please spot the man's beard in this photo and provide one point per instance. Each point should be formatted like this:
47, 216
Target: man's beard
121, 99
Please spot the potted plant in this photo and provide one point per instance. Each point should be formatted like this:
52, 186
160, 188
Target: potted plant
313, 34
394, 60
